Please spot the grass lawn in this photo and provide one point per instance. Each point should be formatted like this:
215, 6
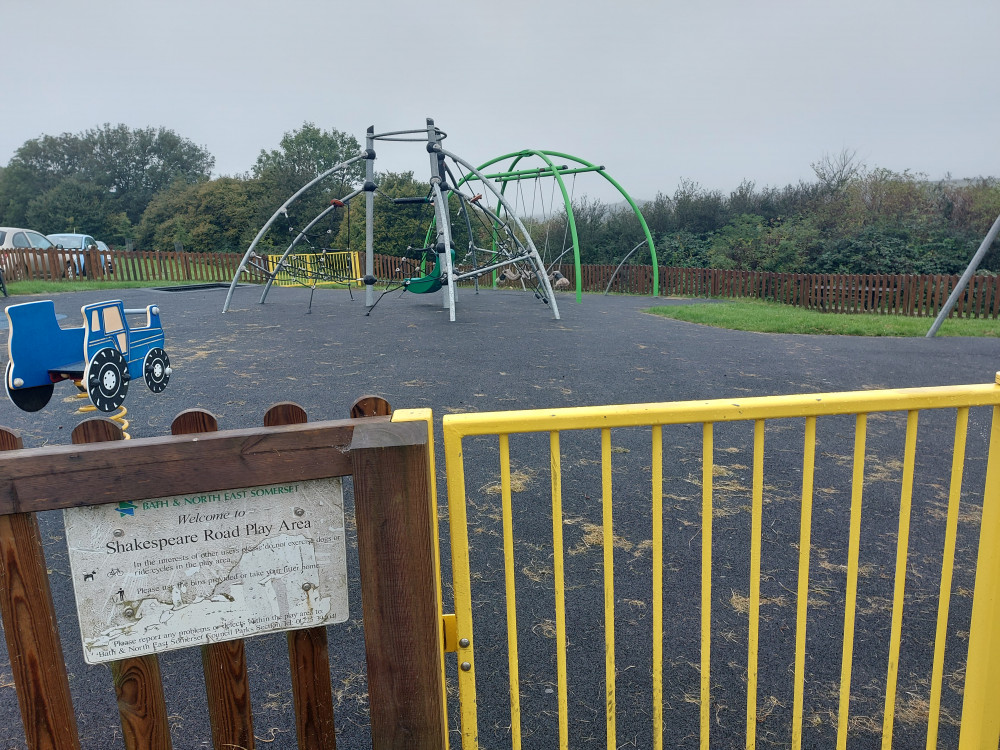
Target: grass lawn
771, 317
15, 288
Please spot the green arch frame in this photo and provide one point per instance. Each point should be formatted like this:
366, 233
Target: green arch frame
551, 170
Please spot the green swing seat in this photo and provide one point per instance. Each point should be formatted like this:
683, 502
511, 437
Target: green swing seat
432, 282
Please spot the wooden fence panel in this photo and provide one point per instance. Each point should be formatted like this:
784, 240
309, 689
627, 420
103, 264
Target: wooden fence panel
390, 464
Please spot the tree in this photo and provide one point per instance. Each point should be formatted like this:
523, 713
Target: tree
307, 152
136, 164
211, 216
698, 210
835, 172
127, 166
303, 155
396, 227
78, 206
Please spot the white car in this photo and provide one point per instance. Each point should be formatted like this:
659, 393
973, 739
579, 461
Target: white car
33, 264
14, 238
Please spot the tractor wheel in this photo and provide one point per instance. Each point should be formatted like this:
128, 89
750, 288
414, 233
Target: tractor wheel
156, 370
27, 399
107, 379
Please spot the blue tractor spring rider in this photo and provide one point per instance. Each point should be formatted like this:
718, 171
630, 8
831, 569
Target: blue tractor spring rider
102, 356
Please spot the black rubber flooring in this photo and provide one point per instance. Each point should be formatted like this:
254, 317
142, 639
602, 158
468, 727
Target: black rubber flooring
505, 351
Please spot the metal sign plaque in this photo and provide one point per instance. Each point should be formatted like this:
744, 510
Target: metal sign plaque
173, 572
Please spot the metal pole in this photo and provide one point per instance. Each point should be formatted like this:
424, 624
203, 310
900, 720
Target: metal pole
536, 259
444, 239
298, 238
275, 215
370, 215
962, 282
620, 266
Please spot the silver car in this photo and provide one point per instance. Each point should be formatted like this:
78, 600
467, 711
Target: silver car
81, 242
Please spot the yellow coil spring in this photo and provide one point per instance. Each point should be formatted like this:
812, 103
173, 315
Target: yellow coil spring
118, 416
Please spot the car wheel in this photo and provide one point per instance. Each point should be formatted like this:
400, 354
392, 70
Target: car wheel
27, 399
156, 370
107, 379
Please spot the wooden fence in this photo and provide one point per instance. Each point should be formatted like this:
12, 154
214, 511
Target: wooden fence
120, 265
389, 462
898, 294
841, 293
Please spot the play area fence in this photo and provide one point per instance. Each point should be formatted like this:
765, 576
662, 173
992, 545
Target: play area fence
538, 613
304, 268
120, 265
802, 555
898, 294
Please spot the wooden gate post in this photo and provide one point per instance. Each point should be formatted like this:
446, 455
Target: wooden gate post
32, 633
392, 500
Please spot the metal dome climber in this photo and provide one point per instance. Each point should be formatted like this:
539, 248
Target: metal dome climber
467, 239
551, 170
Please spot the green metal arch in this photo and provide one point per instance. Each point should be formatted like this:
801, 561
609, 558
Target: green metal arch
554, 172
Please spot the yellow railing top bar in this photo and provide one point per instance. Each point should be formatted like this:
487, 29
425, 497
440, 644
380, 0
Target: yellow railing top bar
719, 410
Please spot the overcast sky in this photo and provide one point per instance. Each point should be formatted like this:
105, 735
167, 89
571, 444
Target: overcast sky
655, 91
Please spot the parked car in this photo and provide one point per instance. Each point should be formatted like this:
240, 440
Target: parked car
32, 264
82, 242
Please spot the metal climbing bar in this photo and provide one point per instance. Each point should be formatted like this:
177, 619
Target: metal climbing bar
530, 174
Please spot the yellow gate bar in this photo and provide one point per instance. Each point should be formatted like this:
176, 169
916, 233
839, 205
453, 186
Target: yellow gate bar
657, 588
980, 717
558, 573
802, 596
508, 570
707, 464
456, 426
609, 589
851, 596
756, 512
947, 569
902, 543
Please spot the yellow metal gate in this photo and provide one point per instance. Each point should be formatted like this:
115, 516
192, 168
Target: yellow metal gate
340, 268
786, 627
